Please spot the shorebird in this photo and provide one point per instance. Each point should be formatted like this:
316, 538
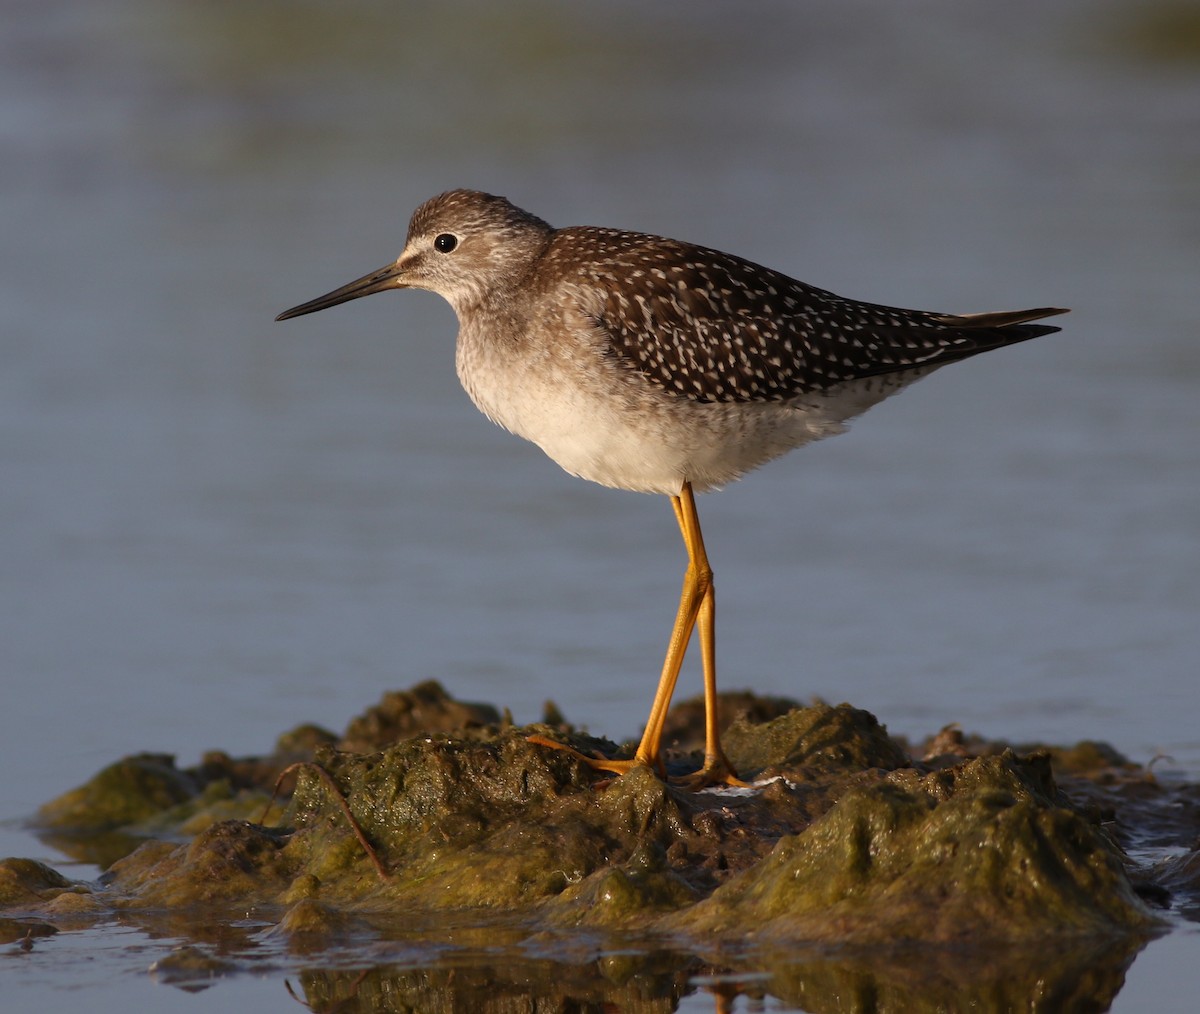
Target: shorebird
654, 365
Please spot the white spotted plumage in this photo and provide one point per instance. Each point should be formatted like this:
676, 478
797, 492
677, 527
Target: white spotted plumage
643, 363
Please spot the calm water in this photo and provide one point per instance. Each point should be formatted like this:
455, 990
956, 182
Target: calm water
214, 527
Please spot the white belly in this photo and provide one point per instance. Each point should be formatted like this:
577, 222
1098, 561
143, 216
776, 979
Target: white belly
603, 422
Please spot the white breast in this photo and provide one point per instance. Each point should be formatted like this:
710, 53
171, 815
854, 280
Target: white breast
604, 422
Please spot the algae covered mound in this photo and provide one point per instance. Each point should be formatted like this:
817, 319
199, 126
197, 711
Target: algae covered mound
982, 850
844, 837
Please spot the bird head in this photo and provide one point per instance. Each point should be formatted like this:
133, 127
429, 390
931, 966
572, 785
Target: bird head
464, 245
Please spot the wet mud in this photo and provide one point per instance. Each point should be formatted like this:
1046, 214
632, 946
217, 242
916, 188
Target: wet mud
432, 835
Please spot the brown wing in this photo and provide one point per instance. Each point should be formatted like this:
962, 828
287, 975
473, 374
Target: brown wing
712, 327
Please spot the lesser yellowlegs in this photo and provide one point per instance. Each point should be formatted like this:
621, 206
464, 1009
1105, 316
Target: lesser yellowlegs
653, 365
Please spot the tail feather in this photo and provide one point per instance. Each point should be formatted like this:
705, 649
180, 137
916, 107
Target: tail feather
998, 318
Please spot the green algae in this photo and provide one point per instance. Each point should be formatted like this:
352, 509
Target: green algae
229, 863
986, 853
422, 709
813, 740
25, 883
849, 842
146, 796
120, 795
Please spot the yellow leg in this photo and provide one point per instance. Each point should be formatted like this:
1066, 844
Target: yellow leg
697, 604
717, 768
697, 587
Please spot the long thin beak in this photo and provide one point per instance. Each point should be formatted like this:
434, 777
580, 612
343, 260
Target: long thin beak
388, 277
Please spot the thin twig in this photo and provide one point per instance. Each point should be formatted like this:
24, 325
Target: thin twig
340, 797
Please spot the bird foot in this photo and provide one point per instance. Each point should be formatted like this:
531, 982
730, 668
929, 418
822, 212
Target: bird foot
716, 771
597, 762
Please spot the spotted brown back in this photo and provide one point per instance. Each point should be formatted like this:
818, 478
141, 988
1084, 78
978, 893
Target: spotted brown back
709, 326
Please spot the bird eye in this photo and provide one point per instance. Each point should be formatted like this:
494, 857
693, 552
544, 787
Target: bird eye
445, 242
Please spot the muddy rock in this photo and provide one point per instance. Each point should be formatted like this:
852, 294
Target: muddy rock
812, 741
441, 808
120, 795
401, 714
986, 851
